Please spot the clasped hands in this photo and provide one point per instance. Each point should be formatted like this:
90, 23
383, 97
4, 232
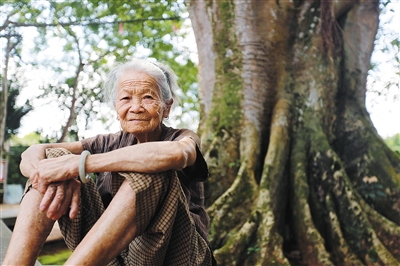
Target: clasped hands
55, 179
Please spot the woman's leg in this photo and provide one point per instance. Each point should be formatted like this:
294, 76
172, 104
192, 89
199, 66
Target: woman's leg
144, 205
30, 232
111, 234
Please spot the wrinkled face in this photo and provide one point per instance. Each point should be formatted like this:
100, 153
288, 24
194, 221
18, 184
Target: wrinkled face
139, 105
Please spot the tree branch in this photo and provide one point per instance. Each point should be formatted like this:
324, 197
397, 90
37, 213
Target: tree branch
90, 23
72, 112
8, 21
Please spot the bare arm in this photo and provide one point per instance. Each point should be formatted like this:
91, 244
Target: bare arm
149, 157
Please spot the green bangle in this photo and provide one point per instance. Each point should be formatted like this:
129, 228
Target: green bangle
82, 173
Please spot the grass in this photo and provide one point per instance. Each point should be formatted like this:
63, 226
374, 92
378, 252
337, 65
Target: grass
54, 253
58, 258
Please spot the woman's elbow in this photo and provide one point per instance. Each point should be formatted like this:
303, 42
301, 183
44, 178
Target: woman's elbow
186, 156
179, 160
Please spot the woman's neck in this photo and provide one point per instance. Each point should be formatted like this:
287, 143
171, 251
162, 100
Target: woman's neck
153, 136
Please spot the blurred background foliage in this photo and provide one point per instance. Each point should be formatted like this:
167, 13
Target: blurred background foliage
74, 43
394, 142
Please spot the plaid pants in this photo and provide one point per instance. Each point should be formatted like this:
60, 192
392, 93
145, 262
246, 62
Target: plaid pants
167, 233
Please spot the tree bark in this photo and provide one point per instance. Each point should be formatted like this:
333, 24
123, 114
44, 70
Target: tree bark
12, 40
298, 173
4, 98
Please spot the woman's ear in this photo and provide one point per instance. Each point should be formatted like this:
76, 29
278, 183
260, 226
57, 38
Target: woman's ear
168, 108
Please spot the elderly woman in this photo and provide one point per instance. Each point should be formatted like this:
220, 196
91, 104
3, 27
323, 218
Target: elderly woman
147, 206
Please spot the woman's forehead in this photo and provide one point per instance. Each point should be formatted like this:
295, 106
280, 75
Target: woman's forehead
136, 80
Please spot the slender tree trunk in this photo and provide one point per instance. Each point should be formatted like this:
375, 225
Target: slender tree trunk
72, 109
4, 94
298, 173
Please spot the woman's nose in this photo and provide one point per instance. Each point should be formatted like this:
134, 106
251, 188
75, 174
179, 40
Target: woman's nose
136, 105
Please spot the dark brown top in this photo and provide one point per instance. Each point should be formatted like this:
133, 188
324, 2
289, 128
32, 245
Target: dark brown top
191, 178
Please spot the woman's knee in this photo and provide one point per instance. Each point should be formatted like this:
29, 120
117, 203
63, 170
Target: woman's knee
126, 193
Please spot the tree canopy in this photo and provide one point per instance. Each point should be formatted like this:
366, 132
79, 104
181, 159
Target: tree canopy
89, 37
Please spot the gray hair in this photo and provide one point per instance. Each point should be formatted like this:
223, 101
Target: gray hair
165, 77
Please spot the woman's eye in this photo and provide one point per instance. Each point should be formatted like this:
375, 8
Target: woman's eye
148, 99
124, 98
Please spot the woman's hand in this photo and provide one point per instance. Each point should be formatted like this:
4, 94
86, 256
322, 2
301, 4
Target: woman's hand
30, 158
35, 153
59, 197
54, 178
50, 171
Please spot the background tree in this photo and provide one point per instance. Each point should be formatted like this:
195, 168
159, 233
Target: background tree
14, 112
92, 35
298, 172
13, 122
12, 40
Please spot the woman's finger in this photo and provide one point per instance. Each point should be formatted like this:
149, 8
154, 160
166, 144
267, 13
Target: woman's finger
57, 200
76, 195
64, 205
48, 198
37, 183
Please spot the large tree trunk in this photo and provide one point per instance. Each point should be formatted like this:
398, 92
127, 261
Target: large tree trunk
298, 173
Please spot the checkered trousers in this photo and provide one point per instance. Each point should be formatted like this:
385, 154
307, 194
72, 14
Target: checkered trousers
166, 231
